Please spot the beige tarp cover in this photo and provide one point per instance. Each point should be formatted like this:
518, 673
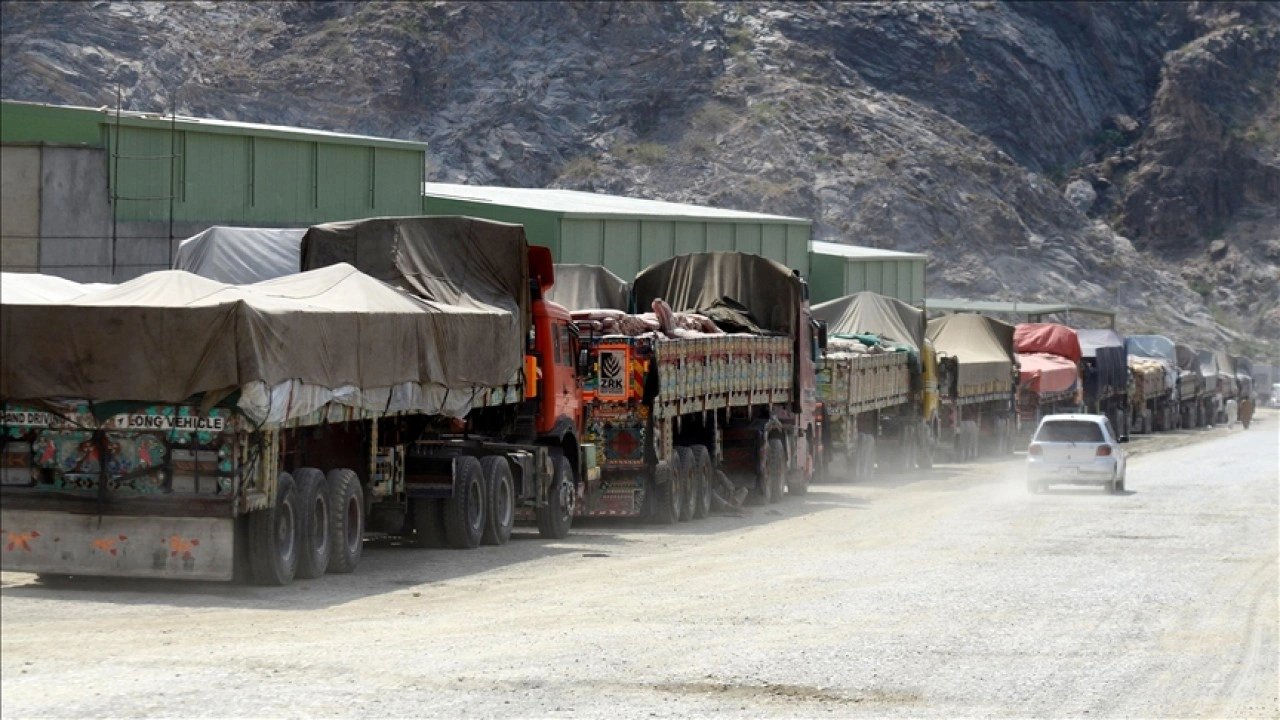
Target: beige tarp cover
37, 289
868, 312
586, 287
169, 335
982, 346
690, 283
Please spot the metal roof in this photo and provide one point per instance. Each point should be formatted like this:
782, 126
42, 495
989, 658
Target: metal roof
859, 252
107, 116
575, 203
1016, 307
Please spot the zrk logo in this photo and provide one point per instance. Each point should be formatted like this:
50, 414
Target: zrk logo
612, 367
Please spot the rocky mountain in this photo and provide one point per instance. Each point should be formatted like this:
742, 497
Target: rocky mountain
1110, 153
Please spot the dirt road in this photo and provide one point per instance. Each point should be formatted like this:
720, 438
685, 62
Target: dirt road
951, 593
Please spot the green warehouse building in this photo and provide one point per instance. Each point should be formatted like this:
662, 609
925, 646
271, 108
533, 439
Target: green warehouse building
94, 197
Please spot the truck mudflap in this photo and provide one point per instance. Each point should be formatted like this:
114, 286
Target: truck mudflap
61, 543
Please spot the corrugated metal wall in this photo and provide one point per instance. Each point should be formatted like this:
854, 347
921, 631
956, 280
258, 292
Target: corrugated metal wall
258, 180
627, 246
836, 276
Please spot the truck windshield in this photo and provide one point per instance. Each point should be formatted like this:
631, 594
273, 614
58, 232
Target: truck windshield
1075, 431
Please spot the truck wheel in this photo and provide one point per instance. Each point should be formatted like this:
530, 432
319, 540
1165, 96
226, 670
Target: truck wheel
313, 522
464, 510
273, 537
666, 494
702, 479
864, 461
500, 510
924, 453
346, 520
688, 493
555, 518
776, 467
762, 489
428, 523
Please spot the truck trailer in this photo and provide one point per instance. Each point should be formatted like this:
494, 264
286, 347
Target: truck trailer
1105, 372
670, 409
179, 427
877, 386
1154, 402
977, 380
1049, 373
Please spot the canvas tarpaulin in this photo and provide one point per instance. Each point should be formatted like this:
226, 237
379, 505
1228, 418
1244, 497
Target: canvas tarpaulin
1045, 373
38, 289
1107, 366
982, 346
695, 282
1050, 338
868, 312
1159, 348
588, 287
473, 273
241, 256
289, 346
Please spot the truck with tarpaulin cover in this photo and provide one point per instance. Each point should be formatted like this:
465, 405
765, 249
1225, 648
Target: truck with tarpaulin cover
175, 426
1153, 403
676, 401
1194, 399
1049, 374
977, 380
877, 385
1105, 373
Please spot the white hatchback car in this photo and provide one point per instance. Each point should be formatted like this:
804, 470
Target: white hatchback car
1075, 450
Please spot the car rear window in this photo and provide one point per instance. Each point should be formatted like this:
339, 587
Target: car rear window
1078, 431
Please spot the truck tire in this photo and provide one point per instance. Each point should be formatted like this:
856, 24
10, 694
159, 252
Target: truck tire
556, 517
702, 479
688, 493
864, 459
776, 468
1001, 437
346, 520
924, 454
273, 537
313, 522
464, 511
666, 493
500, 496
762, 489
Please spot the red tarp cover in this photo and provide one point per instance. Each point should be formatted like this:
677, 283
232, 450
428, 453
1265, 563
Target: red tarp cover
1049, 338
1044, 373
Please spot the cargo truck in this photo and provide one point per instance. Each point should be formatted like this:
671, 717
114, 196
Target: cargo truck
1049, 374
1105, 371
669, 411
1194, 400
877, 386
1154, 404
179, 427
977, 379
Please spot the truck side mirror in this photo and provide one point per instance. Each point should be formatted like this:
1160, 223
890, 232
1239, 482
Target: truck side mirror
821, 327
584, 362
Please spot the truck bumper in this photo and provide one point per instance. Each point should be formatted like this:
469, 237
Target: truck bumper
42, 541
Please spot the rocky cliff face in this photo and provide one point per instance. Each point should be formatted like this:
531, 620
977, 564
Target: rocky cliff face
1106, 153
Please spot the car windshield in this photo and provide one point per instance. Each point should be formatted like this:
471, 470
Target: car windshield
1073, 431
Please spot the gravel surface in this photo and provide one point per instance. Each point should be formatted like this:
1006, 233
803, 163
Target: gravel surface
941, 594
